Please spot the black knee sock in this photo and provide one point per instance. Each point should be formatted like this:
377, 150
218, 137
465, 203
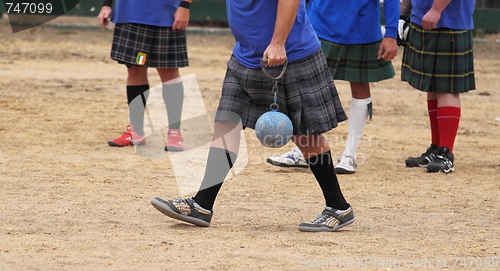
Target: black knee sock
173, 97
136, 106
219, 163
322, 167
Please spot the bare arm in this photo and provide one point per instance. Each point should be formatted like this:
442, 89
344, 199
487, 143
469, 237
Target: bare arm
432, 17
104, 16
275, 52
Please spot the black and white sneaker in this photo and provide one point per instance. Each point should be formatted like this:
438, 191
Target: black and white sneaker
329, 220
424, 159
442, 162
186, 210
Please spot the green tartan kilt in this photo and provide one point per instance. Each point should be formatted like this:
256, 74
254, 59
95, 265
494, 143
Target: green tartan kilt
356, 62
439, 60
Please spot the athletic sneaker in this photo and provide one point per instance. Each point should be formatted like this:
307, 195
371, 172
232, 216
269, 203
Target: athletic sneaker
329, 220
186, 210
346, 165
128, 138
293, 158
424, 159
442, 162
174, 141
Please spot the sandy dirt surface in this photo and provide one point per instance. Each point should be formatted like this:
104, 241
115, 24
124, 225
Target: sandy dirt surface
68, 201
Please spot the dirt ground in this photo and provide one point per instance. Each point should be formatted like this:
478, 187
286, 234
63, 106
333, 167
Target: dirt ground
68, 201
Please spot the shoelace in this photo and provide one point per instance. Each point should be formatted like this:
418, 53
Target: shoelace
322, 218
182, 205
446, 161
350, 160
429, 156
175, 135
292, 156
179, 200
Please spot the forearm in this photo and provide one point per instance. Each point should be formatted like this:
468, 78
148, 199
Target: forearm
285, 17
405, 9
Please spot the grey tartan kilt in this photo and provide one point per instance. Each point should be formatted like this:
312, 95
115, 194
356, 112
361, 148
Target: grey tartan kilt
163, 47
306, 94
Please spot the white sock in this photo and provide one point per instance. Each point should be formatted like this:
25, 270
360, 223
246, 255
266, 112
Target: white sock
357, 121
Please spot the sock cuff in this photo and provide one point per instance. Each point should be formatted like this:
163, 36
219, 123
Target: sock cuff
223, 156
138, 88
361, 102
135, 91
448, 111
172, 85
320, 159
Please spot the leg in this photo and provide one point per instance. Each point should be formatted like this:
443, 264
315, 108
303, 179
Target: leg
222, 155
428, 156
337, 213
137, 75
317, 153
137, 86
137, 92
173, 97
361, 98
448, 119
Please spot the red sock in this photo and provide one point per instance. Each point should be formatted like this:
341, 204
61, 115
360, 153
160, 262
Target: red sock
432, 110
448, 118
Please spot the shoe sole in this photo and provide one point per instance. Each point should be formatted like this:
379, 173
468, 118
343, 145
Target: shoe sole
170, 148
113, 144
325, 229
161, 206
343, 171
433, 170
413, 165
283, 164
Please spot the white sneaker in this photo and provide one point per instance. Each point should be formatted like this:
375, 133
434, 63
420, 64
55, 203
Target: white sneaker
293, 158
346, 165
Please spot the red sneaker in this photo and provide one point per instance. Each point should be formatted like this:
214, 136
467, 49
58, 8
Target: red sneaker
174, 141
130, 137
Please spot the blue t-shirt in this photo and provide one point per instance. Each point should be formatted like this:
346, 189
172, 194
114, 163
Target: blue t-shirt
149, 12
353, 22
457, 15
252, 24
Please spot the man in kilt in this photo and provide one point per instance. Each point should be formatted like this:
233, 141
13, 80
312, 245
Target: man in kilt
150, 34
438, 60
278, 31
357, 52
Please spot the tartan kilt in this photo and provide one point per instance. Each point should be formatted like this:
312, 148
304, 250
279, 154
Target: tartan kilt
149, 46
306, 94
446, 66
356, 62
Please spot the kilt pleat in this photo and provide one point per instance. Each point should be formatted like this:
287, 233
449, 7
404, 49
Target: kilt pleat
357, 62
439, 60
160, 47
306, 94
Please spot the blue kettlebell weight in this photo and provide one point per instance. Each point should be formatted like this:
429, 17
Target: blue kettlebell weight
273, 129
